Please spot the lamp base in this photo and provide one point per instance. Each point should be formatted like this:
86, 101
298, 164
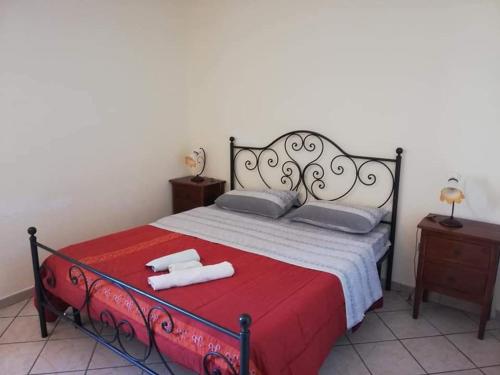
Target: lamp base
451, 223
197, 178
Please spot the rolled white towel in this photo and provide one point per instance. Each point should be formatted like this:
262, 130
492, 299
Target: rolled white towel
184, 266
161, 264
191, 276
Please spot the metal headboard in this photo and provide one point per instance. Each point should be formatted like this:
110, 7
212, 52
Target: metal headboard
310, 176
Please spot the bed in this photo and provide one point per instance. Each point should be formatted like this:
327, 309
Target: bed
297, 288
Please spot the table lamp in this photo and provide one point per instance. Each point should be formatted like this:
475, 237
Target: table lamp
452, 193
196, 162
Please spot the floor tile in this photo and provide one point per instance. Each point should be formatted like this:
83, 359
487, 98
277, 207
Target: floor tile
98, 327
29, 309
388, 358
343, 360
129, 370
484, 352
495, 333
437, 354
491, 370
66, 330
12, 310
424, 306
64, 355
67, 352
490, 324
18, 358
343, 340
449, 320
372, 329
23, 329
104, 357
394, 301
4, 323
177, 369
404, 326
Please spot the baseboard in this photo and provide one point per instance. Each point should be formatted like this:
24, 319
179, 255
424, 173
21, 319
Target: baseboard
444, 300
16, 297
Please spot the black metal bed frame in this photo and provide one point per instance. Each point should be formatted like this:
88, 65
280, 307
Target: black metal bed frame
159, 316
156, 318
309, 176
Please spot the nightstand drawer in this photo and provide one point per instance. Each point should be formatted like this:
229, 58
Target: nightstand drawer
185, 204
461, 279
466, 253
187, 193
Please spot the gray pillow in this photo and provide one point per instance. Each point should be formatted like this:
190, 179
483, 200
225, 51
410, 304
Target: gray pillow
342, 217
270, 203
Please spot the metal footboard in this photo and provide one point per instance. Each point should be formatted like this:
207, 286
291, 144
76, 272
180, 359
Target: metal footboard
155, 318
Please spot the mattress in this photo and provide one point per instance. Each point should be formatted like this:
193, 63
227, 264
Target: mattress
297, 312
350, 257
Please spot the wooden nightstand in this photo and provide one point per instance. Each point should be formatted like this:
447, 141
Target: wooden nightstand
187, 194
459, 262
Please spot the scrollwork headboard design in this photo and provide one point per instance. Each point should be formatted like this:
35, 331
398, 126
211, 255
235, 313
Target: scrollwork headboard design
309, 162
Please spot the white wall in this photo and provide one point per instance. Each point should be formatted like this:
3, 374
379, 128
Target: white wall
92, 106
372, 75
93, 103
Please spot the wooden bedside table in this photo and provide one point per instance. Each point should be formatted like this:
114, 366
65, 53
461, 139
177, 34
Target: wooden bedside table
459, 262
187, 194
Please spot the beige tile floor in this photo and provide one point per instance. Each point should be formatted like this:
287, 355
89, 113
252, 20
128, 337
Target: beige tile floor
442, 341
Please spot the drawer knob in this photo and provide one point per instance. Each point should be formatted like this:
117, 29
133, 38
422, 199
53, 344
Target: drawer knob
456, 252
450, 279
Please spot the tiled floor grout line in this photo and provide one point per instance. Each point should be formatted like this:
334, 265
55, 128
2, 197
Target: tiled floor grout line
38, 356
445, 335
465, 355
348, 339
91, 357
45, 341
58, 372
422, 316
361, 358
451, 342
402, 344
8, 325
14, 318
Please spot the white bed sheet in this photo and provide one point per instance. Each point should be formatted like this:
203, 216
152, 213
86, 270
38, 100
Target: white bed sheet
350, 257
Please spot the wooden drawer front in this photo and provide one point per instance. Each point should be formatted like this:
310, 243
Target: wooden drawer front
212, 193
187, 193
458, 278
466, 253
181, 205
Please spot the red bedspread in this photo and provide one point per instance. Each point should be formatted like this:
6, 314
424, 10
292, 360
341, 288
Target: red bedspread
297, 313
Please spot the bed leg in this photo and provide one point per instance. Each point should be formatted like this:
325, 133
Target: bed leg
245, 322
38, 281
76, 316
388, 275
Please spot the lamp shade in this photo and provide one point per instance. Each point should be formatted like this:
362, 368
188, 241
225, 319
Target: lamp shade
452, 192
195, 161
190, 161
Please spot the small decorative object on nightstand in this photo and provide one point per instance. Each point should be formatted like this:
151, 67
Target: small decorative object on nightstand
196, 161
188, 194
458, 262
452, 193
